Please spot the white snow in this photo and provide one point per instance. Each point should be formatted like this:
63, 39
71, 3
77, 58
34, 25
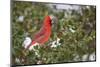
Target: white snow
17, 60
55, 43
26, 42
67, 7
71, 30
92, 57
21, 18
84, 57
76, 58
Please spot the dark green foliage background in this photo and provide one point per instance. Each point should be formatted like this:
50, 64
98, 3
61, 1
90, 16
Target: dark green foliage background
80, 42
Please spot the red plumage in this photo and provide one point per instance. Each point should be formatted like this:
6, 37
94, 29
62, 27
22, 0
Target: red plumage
44, 34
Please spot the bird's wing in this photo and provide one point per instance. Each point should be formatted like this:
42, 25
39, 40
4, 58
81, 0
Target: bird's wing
40, 33
43, 38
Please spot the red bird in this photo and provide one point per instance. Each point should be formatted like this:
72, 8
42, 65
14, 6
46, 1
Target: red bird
44, 34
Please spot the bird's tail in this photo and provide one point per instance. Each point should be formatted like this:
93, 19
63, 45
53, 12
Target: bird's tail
31, 46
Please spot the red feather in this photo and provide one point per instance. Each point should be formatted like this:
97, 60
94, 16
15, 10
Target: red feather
44, 34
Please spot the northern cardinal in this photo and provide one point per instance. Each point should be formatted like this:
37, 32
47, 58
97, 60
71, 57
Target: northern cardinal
44, 33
